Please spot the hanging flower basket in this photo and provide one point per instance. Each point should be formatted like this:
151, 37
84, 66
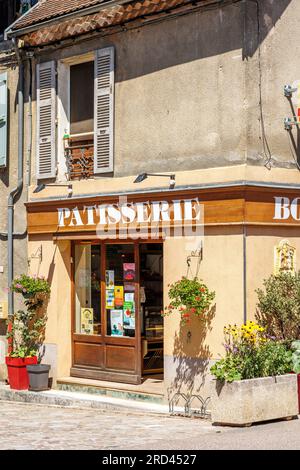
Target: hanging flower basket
31, 287
190, 297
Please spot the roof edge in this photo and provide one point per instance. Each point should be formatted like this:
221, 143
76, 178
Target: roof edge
11, 33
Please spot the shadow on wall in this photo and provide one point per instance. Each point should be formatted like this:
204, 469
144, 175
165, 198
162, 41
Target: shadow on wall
243, 25
191, 356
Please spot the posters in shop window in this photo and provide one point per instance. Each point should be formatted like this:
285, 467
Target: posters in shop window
110, 298
129, 297
129, 271
129, 287
116, 322
119, 296
87, 321
129, 315
110, 279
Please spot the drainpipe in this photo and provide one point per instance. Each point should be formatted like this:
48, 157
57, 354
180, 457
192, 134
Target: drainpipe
18, 189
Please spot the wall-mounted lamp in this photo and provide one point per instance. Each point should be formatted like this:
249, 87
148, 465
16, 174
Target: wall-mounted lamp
40, 187
289, 90
144, 176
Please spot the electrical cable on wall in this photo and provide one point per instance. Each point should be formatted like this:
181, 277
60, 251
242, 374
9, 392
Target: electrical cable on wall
266, 148
293, 152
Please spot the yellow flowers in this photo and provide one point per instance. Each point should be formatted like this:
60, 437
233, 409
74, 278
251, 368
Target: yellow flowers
250, 334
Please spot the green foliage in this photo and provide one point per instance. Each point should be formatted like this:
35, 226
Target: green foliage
190, 297
26, 330
295, 346
269, 359
30, 286
228, 368
279, 306
250, 354
27, 333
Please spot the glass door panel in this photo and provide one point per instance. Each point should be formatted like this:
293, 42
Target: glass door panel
87, 289
120, 290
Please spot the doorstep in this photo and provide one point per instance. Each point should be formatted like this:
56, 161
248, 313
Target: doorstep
71, 399
150, 391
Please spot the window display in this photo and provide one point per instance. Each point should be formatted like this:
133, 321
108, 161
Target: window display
108, 283
87, 321
87, 289
120, 300
116, 319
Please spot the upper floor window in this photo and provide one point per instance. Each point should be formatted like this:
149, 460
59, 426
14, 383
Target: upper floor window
88, 137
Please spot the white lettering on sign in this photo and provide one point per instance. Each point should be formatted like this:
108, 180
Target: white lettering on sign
140, 212
285, 208
90, 214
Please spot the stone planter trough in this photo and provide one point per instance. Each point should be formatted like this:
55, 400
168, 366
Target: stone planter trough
244, 402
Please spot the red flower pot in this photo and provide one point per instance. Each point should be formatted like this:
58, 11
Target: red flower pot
17, 372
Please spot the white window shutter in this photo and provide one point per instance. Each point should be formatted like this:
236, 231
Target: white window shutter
104, 111
46, 120
3, 119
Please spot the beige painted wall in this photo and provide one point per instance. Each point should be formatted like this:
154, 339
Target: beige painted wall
187, 94
187, 358
187, 100
218, 271
56, 267
261, 242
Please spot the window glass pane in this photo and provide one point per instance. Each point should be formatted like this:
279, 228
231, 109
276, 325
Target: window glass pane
82, 98
88, 289
120, 281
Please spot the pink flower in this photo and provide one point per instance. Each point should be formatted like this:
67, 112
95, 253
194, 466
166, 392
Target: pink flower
18, 286
24, 290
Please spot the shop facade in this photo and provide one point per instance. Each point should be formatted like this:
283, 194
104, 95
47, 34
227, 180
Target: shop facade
110, 262
172, 89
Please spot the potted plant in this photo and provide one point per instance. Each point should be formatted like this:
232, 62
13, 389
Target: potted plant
253, 381
26, 330
295, 347
278, 310
190, 297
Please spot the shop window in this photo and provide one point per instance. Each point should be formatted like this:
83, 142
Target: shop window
120, 290
88, 289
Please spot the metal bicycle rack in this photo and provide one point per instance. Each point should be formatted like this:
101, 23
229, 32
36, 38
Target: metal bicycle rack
188, 411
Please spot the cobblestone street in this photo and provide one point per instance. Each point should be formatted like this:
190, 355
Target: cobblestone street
26, 426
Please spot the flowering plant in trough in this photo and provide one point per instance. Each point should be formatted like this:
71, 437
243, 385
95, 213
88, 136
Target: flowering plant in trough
191, 297
251, 353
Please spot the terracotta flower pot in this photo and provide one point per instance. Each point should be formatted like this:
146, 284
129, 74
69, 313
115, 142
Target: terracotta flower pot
17, 372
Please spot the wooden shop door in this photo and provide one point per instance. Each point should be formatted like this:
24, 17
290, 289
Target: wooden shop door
106, 330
